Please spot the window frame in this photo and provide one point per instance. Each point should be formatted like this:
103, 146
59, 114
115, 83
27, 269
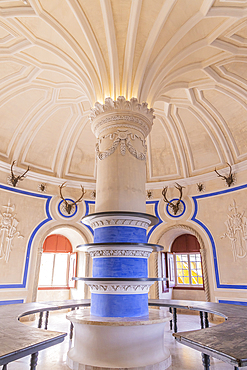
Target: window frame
51, 287
57, 244
188, 286
168, 271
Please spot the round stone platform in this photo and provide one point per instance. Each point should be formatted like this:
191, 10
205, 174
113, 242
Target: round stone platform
119, 342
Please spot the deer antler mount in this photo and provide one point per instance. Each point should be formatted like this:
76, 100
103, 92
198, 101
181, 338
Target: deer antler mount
229, 179
13, 179
68, 205
175, 206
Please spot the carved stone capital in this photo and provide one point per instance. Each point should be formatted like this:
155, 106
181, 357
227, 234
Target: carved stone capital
121, 113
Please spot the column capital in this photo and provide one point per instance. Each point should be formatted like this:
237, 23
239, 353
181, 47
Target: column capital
121, 113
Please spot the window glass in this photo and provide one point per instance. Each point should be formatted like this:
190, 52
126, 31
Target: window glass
54, 270
189, 269
46, 269
60, 273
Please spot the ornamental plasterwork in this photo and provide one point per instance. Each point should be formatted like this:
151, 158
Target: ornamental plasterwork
122, 138
119, 288
236, 232
119, 222
119, 253
8, 231
121, 120
121, 104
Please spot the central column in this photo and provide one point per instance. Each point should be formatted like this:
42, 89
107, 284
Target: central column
120, 331
120, 222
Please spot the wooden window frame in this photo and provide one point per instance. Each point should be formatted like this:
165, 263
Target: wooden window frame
187, 286
71, 272
168, 271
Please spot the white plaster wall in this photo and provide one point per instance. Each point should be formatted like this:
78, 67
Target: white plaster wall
191, 295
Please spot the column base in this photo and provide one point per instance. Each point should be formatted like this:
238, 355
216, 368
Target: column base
160, 366
116, 343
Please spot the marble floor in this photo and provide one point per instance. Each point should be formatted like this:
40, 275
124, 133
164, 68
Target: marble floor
183, 358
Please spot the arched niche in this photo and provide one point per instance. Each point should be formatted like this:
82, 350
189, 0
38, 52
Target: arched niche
76, 237
167, 238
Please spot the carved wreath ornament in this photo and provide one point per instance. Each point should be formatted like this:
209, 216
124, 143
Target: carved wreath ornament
122, 138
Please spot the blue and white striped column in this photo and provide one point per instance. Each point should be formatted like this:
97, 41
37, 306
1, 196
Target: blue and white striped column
120, 224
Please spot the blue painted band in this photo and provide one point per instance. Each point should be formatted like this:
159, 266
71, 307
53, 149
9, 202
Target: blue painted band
30, 241
233, 302
110, 234
120, 267
87, 204
156, 212
118, 305
12, 301
195, 219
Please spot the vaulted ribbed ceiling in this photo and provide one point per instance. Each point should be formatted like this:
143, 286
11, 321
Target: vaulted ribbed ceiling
186, 58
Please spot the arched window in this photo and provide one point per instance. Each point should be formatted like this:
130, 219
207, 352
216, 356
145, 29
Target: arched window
58, 263
183, 266
187, 262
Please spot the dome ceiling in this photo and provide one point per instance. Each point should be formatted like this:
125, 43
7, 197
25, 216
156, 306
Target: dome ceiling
186, 58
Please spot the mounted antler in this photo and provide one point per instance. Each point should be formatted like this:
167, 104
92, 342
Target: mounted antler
15, 179
68, 205
229, 179
174, 206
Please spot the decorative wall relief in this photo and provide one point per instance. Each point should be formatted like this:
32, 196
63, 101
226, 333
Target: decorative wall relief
8, 231
236, 232
124, 138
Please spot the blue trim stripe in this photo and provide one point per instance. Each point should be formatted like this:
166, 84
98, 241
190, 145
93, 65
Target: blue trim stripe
30, 241
87, 203
233, 302
12, 301
216, 268
156, 212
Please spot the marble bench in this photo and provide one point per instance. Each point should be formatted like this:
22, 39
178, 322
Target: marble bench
19, 340
226, 341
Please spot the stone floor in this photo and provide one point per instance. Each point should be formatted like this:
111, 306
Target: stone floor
183, 358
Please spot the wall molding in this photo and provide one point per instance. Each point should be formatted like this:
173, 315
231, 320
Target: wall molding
212, 241
33, 234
